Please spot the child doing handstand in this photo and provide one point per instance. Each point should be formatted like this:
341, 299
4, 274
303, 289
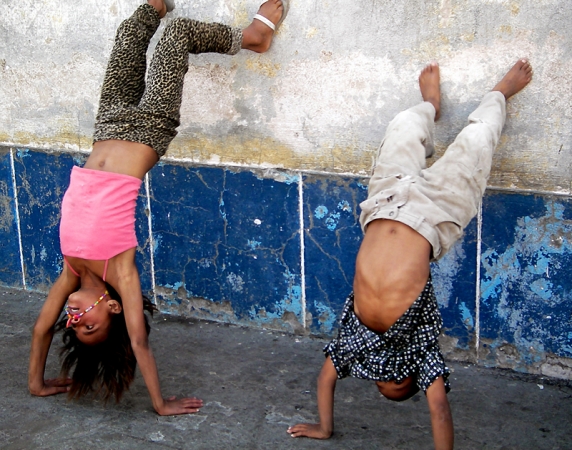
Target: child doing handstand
106, 329
390, 324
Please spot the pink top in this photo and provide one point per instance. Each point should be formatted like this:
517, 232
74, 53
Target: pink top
98, 214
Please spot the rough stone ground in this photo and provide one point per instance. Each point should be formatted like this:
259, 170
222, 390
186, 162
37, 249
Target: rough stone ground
255, 383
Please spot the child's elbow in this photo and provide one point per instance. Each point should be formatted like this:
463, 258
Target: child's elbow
140, 343
41, 329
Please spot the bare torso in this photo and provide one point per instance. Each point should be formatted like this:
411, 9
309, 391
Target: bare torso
125, 157
392, 268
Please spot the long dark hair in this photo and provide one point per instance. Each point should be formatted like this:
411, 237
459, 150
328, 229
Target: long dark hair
107, 368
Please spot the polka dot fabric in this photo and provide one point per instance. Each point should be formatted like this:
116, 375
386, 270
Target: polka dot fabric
409, 347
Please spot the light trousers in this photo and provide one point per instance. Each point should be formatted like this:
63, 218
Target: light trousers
438, 202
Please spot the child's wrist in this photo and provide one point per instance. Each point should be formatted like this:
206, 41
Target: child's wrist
159, 405
326, 430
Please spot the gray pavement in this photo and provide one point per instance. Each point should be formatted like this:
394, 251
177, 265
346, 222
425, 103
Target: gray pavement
254, 384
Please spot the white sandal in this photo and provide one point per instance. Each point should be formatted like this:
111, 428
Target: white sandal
264, 20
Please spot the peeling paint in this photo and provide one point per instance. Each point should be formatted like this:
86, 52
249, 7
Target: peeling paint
245, 269
320, 212
319, 100
525, 292
466, 316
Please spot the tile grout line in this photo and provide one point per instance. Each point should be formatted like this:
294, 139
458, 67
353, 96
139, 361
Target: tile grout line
151, 240
18, 226
478, 281
302, 248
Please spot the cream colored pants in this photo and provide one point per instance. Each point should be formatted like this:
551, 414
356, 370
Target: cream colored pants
440, 201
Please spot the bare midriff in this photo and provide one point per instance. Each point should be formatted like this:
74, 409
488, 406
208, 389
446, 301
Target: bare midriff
392, 268
125, 157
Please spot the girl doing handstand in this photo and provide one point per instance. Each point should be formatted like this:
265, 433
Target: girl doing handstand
106, 329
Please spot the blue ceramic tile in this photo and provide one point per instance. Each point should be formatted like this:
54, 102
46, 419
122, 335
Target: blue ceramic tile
226, 245
41, 181
10, 270
143, 255
454, 279
231, 239
527, 275
331, 240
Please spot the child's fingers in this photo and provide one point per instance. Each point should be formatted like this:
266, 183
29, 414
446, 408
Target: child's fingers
311, 430
187, 403
182, 406
58, 382
185, 400
192, 402
53, 390
62, 389
295, 430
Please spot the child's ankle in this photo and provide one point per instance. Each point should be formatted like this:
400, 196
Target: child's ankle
160, 6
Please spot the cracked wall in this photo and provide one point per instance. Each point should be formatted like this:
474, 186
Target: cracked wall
277, 249
252, 216
336, 74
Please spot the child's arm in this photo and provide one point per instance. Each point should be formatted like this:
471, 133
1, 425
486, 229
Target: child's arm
441, 419
43, 333
129, 287
326, 387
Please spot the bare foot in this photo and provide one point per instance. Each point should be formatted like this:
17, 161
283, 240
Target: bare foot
311, 430
258, 36
515, 79
429, 84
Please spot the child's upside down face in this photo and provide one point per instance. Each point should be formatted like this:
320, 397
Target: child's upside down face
398, 392
89, 319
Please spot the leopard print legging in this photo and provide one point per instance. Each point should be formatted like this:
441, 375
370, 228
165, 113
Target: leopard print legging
131, 111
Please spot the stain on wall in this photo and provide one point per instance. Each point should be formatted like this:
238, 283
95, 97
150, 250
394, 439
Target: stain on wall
41, 180
320, 99
252, 216
331, 241
227, 244
526, 302
277, 249
455, 280
10, 269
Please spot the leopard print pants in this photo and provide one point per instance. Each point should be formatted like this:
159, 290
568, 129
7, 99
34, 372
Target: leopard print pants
149, 114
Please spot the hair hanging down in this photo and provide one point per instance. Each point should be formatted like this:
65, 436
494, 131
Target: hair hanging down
108, 367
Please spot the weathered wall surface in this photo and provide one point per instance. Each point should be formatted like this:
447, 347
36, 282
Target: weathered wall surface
277, 249
252, 217
319, 100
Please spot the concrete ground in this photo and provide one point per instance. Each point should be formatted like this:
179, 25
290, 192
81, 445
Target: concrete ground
255, 383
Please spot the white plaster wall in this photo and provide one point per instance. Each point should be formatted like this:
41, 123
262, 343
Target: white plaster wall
337, 73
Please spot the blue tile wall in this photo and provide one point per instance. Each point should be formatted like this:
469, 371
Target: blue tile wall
226, 245
10, 269
228, 237
526, 278
332, 236
143, 256
41, 180
454, 279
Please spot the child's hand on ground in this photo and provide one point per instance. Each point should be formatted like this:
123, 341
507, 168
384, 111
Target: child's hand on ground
173, 406
53, 386
311, 430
